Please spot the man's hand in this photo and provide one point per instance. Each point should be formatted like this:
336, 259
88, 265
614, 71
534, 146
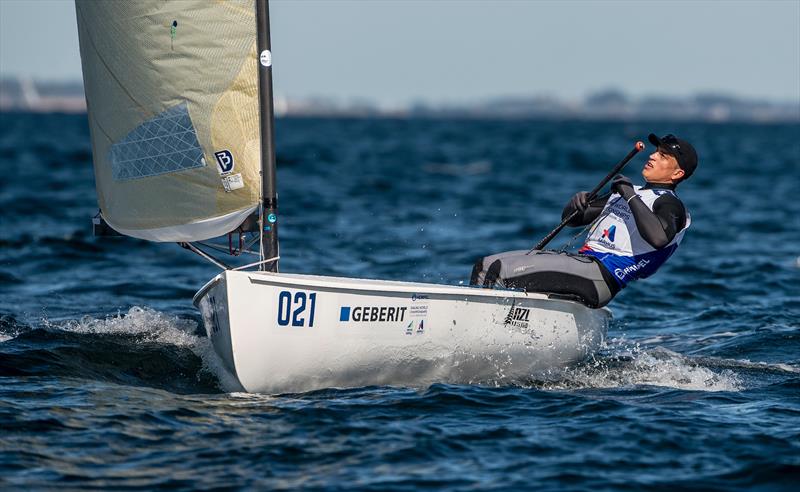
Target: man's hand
579, 201
622, 185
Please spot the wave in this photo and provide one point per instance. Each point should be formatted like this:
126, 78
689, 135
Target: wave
458, 169
142, 347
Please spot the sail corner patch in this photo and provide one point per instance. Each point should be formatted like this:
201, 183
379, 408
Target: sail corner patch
166, 143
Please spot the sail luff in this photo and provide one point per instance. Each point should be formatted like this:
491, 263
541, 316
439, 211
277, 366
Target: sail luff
269, 198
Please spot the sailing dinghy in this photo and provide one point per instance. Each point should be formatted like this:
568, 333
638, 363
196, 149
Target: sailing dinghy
179, 99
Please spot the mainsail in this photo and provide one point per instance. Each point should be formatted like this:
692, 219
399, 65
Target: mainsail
173, 101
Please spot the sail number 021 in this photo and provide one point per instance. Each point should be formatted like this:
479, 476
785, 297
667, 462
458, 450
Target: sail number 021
297, 310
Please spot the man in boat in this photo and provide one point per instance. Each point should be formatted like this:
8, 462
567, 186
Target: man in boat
635, 230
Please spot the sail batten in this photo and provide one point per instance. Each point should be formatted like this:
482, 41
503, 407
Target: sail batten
172, 95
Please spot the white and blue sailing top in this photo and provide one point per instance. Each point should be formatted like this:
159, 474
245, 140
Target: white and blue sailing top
615, 239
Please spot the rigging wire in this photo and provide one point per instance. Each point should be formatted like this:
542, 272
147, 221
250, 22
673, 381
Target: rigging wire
191, 247
223, 249
194, 249
258, 263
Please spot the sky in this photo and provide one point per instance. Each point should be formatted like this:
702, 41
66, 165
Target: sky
455, 51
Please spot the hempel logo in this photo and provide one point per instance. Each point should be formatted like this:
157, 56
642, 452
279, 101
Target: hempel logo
621, 272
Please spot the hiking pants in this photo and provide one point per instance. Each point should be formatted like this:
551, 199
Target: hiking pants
562, 275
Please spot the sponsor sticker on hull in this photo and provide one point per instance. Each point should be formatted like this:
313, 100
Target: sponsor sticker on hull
411, 317
419, 305
415, 326
373, 314
518, 317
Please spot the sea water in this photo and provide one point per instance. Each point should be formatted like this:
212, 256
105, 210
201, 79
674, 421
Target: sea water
107, 382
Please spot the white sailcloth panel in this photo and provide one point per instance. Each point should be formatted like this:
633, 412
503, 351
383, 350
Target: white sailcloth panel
172, 94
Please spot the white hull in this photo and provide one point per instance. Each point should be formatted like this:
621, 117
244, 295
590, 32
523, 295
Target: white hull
292, 333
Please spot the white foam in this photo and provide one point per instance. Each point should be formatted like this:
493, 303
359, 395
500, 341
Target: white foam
11, 334
149, 325
657, 367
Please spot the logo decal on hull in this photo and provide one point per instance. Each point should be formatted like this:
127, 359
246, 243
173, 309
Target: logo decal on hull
373, 314
518, 317
420, 327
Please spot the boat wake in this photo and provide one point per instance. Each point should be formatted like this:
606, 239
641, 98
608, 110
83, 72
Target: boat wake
622, 366
146, 347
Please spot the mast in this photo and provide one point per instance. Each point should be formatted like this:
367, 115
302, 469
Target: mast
268, 225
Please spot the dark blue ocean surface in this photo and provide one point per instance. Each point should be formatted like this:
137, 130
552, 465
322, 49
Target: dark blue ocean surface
106, 381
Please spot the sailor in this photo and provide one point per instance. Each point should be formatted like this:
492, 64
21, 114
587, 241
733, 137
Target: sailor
634, 231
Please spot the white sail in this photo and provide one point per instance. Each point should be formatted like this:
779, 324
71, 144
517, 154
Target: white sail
172, 95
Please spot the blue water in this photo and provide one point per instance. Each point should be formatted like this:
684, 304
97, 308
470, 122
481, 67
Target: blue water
106, 381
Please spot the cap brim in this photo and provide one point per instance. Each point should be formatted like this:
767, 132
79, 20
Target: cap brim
653, 138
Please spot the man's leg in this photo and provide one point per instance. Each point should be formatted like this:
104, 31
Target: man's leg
558, 273
552, 273
486, 270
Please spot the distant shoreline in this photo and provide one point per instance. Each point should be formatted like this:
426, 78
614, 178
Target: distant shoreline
477, 118
31, 96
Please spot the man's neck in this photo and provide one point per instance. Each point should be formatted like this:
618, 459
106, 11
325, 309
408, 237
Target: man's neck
663, 186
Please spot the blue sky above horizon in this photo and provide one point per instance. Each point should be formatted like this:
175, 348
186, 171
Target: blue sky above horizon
398, 52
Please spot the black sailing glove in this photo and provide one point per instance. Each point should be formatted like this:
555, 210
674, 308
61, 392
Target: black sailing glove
579, 201
622, 185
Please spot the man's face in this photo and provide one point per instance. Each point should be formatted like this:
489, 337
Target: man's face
661, 168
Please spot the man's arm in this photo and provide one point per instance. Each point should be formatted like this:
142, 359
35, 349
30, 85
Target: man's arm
660, 226
587, 211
